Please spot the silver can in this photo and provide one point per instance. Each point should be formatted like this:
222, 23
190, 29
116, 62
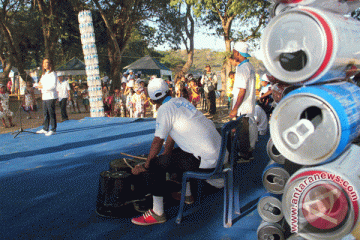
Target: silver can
295, 237
336, 6
273, 153
303, 46
269, 208
314, 125
323, 202
270, 231
275, 177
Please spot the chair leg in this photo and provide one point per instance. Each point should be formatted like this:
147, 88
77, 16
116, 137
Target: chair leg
237, 199
228, 199
182, 201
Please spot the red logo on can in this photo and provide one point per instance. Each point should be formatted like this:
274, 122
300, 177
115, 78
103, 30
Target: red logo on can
325, 206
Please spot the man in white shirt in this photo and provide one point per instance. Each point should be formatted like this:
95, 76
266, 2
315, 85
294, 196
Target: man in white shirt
198, 140
244, 98
63, 89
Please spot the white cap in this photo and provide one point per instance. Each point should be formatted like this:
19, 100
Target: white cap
265, 78
242, 48
59, 74
130, 83
157, 88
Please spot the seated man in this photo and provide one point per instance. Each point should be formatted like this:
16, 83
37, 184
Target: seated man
198, 140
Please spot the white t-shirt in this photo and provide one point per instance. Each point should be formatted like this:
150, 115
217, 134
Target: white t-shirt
245, 79
49, 86
190, 129
63, 88
261, 120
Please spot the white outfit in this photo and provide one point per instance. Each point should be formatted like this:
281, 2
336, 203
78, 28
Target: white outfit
190, 129
261, 120
63, 89
49, 86
4, 98
245, 79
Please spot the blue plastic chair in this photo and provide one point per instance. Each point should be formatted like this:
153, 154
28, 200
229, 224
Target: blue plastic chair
220, 171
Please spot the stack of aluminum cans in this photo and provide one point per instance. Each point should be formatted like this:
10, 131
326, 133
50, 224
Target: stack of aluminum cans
92, 64
310, 47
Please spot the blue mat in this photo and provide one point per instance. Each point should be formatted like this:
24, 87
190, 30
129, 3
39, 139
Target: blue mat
49, 186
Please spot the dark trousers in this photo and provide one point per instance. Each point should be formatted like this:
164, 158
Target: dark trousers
243, 140
64, 115
177, 162
49, 114
211, 101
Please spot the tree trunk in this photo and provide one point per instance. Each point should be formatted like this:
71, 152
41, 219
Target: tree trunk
115, 61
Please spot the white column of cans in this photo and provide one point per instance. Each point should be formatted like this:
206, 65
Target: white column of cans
313, 177
92, 64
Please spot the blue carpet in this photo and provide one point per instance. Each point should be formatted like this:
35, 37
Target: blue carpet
49, 185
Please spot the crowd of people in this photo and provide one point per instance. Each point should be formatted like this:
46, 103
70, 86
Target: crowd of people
174, 106
131, 99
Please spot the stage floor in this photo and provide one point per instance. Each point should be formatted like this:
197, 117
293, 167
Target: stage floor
49, 186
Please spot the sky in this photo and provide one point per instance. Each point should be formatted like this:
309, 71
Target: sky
203, 41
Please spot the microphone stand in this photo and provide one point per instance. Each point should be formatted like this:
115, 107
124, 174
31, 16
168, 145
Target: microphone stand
21, 130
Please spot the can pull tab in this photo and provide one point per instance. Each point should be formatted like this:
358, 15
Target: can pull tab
276, 179
295, 135
271, 208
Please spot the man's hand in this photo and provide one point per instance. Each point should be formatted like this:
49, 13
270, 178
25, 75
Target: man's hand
138, 169
232, 113
39, 86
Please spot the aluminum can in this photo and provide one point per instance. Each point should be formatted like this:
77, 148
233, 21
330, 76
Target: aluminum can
336, 6
275, 177
295, 237
269, 208
269, 231
315, 124
306, 45
322, 202
273, 153
277, 8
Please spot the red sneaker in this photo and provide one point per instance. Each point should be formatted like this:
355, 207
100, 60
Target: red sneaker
149, 218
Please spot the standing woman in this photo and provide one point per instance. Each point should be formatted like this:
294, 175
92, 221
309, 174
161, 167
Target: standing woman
48, 85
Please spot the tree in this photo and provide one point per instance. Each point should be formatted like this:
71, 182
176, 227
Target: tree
5, 58
221, 14
120, 18
13, 29
177, 26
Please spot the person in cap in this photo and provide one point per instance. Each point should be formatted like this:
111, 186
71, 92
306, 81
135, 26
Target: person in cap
124, 80
199, 143
209, 83
131, 75
63, 89
244, 98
